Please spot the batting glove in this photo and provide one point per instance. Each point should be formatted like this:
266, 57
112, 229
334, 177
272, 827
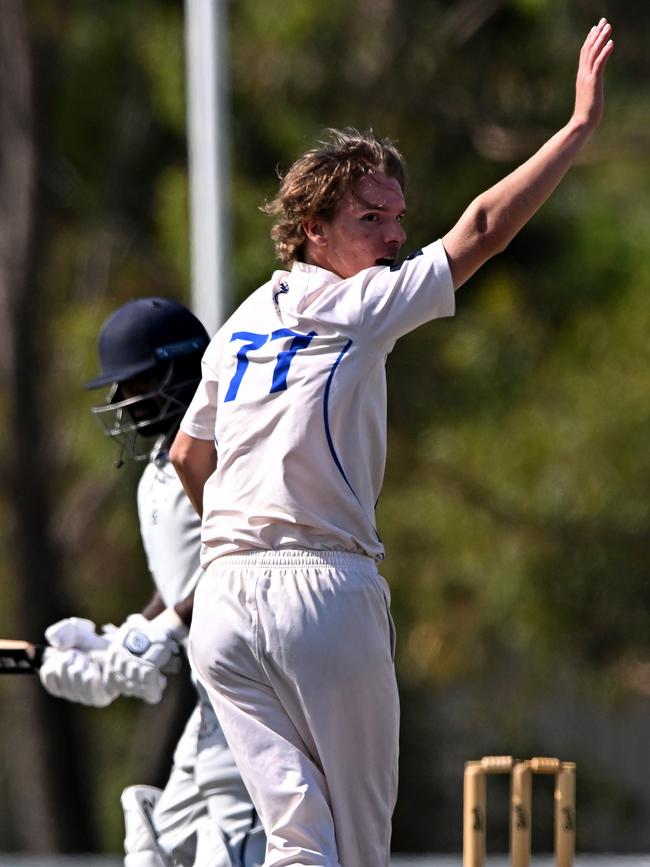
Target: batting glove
76, 676
75, 632
138, 652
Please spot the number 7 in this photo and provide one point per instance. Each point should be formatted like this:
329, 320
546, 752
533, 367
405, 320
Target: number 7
256, 341
283, 361
300, 341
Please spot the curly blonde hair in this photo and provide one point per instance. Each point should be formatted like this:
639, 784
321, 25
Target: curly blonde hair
318, 180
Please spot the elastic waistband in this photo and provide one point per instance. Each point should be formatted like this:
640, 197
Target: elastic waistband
285, 558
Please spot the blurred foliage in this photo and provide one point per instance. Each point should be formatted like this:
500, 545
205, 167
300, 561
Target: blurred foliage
517, 495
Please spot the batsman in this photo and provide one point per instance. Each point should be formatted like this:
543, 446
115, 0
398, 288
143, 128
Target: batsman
150, 353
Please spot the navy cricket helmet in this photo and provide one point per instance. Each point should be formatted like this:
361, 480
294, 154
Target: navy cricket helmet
150, 354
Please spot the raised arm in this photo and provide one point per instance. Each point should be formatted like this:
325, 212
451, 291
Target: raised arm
494, 218
194, 460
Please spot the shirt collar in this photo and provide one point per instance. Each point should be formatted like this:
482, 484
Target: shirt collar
322, 274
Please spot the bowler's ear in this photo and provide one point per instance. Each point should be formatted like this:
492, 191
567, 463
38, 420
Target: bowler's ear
315, 232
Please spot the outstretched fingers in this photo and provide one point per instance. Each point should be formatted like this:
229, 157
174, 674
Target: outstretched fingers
598, 45
594, 54
603, 56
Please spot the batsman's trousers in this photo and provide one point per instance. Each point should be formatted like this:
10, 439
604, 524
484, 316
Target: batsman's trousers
204, 817
295, 649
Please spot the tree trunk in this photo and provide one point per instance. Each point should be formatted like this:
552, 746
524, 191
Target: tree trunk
47, 779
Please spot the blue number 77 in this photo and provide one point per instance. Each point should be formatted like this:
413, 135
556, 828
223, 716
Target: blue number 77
282, 363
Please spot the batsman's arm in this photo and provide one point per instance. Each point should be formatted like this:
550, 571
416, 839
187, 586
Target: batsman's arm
182, 610
154, 606
494, 218
194, 460
185, 608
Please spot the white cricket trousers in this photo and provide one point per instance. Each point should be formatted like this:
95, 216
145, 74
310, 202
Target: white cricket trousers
204, 816
295, 649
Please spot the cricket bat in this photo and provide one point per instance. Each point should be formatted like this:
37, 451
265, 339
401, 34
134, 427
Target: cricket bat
20, 657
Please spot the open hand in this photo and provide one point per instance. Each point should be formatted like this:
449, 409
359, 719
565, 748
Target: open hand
594, 55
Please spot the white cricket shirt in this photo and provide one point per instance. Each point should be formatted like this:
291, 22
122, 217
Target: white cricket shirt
294, 395
170, 530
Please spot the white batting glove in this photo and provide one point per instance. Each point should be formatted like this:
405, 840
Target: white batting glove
76, 676
138, 652
75, 632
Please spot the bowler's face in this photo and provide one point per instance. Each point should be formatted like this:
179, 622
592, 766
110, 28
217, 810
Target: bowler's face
366, 229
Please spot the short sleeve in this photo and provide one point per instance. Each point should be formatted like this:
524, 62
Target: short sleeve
399, 299
200, 417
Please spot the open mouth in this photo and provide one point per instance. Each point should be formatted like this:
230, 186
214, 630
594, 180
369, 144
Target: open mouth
385, 260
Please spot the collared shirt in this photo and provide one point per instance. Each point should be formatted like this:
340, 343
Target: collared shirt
293, 393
